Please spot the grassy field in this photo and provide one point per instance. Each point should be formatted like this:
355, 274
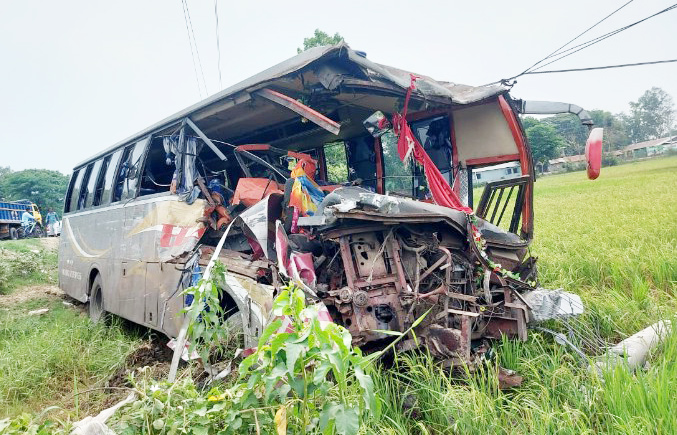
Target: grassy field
44, 359
612, 240
26, 262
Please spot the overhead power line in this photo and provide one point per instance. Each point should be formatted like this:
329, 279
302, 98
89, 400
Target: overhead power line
593, 41
218, 45
576, 37
607, 35
197, 52
192, 54
600, 67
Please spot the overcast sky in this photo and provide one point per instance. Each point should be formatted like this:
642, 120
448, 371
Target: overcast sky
79, 76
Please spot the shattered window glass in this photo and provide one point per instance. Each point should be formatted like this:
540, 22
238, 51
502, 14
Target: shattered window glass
362, 161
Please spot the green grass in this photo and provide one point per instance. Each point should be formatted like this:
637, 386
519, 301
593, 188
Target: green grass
43, 359
614, 242
26, 262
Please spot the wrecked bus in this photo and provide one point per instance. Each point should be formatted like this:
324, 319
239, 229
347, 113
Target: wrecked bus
298, 172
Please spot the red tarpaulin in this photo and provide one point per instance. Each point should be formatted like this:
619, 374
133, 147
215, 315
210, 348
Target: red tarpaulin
408, 146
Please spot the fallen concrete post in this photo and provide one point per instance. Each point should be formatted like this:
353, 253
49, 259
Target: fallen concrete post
97, 425
634, 350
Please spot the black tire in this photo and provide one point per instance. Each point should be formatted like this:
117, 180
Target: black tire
39, 231
13, 233
96, 311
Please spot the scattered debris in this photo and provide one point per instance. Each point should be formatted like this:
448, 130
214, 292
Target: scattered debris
39, 312
185, 354
552, 304
508, 379
97, 425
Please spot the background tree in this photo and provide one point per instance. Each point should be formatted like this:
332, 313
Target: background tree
545, 144
652, 116
318, 39
570, 129
44, 187
4, 170
615, 129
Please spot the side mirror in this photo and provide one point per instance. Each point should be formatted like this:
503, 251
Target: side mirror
593, 152
377, 124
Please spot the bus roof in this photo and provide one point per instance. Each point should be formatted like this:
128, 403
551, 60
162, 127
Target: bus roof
331, 74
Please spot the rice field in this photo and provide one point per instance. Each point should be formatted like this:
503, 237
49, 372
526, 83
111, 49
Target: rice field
614, 242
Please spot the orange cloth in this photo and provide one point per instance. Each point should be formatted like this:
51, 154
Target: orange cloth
249, 191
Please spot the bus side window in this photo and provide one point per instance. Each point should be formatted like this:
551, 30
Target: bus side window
98, 188
121, 176
336, 162
434, 134
157, 174
107, 184
96, 171
71, 186
128, 172
82, 197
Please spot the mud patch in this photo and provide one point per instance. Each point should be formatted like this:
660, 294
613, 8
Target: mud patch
30, 292
50, 243
154, 356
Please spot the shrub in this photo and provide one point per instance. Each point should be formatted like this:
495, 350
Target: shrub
20, 265
610, 160
305, 376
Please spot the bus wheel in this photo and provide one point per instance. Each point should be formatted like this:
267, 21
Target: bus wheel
96, 311
13, 233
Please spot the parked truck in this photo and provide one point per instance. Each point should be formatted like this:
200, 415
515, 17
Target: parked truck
10, 218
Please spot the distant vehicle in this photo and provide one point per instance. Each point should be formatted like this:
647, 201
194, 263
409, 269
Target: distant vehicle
10, 219
378, 241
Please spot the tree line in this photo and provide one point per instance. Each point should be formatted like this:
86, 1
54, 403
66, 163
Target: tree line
45, 187
652, 116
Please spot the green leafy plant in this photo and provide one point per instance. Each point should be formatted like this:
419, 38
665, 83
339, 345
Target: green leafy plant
206, 331
308, 372
305, 376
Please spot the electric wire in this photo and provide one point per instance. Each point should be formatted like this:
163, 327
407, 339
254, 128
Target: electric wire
593, 41
605, 36
192, 55
593, 68
218, 45
576, 37
197, 52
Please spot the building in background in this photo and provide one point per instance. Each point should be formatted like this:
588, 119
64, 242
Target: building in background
501, 171
650, 148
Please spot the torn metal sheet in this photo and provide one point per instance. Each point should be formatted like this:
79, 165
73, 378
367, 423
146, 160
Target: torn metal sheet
552, 304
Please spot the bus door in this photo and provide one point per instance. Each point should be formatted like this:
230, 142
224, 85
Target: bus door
161, 285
